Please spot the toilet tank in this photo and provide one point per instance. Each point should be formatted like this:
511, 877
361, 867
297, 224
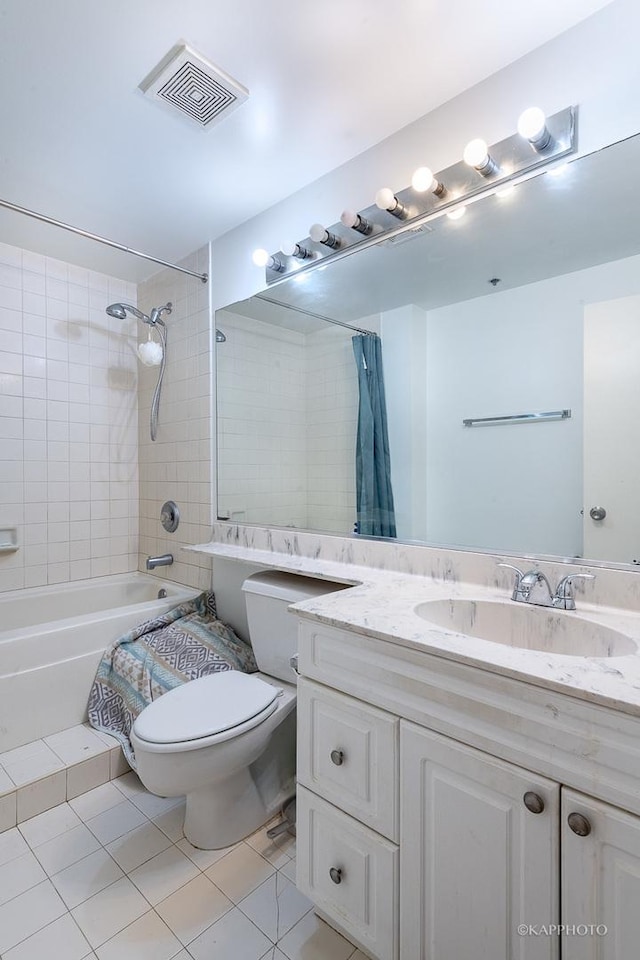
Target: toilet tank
273, 631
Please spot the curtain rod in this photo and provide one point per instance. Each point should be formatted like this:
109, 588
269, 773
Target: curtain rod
316, 316
94, 236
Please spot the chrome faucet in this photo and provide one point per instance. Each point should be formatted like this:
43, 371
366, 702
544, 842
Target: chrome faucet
533, 587
164, 561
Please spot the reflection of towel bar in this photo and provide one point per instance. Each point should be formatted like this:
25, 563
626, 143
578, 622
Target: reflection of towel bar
519, 418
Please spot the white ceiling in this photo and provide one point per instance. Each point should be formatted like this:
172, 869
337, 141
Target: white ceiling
80, 143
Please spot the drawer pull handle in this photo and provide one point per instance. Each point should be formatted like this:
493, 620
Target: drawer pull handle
533, 802
579, 824
337, 757
336, 874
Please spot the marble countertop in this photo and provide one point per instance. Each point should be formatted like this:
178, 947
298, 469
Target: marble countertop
382, 604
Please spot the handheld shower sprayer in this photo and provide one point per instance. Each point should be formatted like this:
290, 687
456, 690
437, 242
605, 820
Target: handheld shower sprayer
150, 353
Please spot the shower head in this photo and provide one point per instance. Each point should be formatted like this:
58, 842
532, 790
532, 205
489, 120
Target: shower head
120, 311
220, 337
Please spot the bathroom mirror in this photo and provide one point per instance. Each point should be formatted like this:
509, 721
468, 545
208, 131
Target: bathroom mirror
528, 305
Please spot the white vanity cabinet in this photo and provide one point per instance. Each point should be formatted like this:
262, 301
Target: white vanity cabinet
519, 808
476, 861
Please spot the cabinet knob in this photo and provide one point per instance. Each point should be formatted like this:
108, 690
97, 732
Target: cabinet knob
337, 757
336, 874
579, 824
533, 802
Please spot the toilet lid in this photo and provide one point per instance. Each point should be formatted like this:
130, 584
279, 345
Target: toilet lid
204, 707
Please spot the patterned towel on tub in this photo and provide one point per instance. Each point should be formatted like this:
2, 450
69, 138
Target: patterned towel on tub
183, 644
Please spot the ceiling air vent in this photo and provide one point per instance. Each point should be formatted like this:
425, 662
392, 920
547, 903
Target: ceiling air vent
185, 81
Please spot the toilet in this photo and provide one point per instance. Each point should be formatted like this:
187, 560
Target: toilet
227, 740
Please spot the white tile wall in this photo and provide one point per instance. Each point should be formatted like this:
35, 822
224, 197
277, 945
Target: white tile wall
178, 465
68, 414
287, 420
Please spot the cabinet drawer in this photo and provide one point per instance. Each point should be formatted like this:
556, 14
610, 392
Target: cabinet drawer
348, 753
350, 873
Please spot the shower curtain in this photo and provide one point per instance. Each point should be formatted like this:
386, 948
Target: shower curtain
374, 496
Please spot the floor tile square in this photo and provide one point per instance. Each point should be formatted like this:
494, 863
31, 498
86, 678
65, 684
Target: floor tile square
233, 937
19, 875
138, 846
69, 847
85, 878
47, 825
145, 939
289, 870
12, 845
203, 858
313, 939
28, 913
75, 744
35, 767
275, 851
96, 801
240, 872
60, 940
172, 822
165, 873
193, 908
275, 906
116, 821
110, 911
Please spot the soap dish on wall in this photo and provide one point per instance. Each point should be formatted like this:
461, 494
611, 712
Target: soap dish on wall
8, 540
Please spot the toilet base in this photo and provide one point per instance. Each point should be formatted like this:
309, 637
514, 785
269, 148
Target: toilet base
220, 814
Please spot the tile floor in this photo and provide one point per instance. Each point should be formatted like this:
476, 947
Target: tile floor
110, 875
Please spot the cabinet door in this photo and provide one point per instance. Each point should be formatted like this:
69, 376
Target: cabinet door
350, 873
600, 880
475, 862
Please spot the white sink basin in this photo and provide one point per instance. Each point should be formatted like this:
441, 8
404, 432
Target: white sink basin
527, 627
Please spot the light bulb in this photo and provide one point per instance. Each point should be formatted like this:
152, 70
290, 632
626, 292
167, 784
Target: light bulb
353, 220
387, 200
476, 153
320, 234
423, 180
150, 353
457, 213
531, 123
260, 257
263, 259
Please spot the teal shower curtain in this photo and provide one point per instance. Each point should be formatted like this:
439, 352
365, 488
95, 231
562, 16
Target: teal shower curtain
374, 496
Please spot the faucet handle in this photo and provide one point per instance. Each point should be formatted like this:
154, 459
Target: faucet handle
519, 575
564, 594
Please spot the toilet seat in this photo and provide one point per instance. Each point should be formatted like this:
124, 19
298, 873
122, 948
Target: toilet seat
205, 711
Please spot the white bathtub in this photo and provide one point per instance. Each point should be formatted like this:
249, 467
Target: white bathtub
51, 641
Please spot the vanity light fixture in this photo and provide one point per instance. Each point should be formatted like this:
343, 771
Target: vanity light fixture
262, 258
476, 154
387, 200
353, 220
424, 180
539, 145
296, 250
320, 234
532, 125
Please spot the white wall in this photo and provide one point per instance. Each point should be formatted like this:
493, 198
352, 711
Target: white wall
519, 487
68, 422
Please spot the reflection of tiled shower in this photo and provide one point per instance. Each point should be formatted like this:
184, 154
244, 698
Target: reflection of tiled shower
287, 405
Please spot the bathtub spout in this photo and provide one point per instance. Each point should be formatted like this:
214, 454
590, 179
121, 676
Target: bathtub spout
164, 561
